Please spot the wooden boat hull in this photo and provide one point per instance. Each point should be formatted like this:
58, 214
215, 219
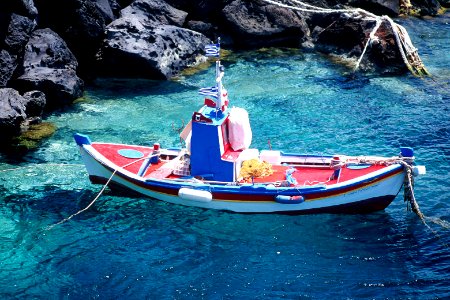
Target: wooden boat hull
368, 193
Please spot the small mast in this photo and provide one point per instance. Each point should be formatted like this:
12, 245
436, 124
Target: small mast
219, 75
209, 135
216, 92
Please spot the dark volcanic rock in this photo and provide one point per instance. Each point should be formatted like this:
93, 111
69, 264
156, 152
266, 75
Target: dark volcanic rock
19, 31
8, 64
445, 3
61, 86
34, 102
46, 49
425, 7
205, 11
21, 7
259, 24
154, 53
49, 66
345, 33
107, 8
81, 23
207, 29
383, 53
12, 112
15, 34
153, 12
378, 7
146, 42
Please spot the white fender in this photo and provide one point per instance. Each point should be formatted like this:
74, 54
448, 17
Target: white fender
195, 195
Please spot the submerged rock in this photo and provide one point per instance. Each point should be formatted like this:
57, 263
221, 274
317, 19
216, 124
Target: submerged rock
32, 138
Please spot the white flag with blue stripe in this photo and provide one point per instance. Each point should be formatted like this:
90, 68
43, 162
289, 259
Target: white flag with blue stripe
212, 50
210, 91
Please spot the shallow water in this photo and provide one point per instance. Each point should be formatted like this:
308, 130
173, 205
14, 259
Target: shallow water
133, 247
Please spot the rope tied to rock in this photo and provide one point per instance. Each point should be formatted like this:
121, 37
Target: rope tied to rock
404, 44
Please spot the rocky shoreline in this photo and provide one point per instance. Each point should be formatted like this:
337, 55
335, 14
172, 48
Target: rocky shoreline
49, 49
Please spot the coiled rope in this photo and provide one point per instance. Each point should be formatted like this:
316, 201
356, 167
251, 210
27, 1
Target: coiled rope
411, 58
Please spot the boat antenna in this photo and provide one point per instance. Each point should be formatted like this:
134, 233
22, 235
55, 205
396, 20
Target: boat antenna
219, 75
216, 92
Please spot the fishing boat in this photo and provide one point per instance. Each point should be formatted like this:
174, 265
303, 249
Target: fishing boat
217, 168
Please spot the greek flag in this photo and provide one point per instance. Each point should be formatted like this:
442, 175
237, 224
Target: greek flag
212, 50
210, 91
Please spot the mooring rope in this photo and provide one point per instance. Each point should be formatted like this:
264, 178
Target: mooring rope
410, 199
408, 183
369, 41
316, 9
408, 195
101, 191
403, 40
87, 207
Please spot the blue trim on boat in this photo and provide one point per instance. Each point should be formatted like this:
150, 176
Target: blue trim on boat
407, 151
82, 139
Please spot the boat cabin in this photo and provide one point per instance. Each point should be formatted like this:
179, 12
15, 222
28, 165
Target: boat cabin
220, 137
212, 153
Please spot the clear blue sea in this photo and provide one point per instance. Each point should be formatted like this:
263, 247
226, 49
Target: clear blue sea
137, 248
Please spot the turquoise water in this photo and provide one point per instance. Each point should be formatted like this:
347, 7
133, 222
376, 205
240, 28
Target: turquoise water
133, 247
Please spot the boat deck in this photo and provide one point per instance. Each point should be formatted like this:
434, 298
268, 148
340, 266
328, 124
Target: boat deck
305, 174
